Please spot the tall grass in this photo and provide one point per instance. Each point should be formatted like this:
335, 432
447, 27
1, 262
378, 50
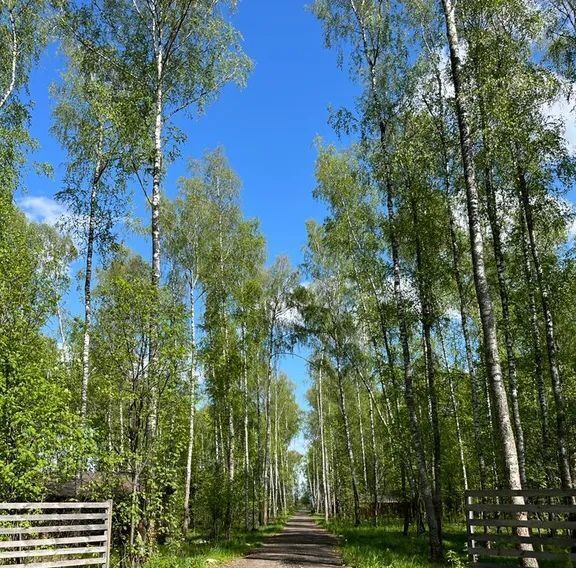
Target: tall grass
385, 546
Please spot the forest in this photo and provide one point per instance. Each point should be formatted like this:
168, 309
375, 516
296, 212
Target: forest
432, 305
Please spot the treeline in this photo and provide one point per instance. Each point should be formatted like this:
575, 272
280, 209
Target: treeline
165, 394
440, 308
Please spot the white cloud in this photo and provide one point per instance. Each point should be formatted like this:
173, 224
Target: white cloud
571, 230
290, 317
563, 109
42, 209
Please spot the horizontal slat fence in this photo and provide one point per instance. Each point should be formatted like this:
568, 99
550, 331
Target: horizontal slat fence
53, 535
493, 523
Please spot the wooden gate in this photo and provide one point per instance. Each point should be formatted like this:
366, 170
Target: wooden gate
50, 535
492, 521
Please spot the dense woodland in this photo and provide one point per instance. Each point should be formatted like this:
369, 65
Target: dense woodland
165, 393
434, 303
439, 311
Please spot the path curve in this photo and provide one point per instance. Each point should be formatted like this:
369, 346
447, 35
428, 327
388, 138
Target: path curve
302, 544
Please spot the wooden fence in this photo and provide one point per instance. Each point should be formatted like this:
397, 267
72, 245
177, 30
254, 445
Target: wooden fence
493, 522
50, 535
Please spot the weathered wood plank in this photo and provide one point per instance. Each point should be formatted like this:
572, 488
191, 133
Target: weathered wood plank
62, 505
63, 563
521, 493
527, 508
553, 540
54, 517
27, 543
52, 552
53, 529
531, 523
515, 553
89, 549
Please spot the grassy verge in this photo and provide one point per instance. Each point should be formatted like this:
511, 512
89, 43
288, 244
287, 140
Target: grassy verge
198, 552
385, 546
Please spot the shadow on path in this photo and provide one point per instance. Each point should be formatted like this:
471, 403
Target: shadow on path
302, 543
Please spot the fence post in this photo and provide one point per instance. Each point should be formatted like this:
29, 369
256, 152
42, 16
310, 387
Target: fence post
473, 558
109, 534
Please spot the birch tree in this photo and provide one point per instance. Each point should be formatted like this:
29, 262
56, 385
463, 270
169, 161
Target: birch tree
173, 57
91, 119
480, 280
23, 33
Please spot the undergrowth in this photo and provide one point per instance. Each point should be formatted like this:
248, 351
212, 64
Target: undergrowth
199, 552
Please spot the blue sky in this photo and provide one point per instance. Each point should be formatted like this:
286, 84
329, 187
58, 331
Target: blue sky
267, 130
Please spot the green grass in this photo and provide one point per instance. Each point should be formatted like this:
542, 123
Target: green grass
385, 546
199, 552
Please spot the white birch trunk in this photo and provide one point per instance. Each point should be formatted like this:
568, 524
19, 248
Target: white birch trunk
326, 489
192, 410
98, 170
480, 279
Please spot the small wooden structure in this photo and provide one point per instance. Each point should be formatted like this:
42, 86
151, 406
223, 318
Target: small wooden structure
51, 535
492, 522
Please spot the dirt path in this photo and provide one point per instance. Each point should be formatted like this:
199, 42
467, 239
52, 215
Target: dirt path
302, 544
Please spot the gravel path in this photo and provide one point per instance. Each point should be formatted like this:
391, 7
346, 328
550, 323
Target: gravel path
302, 544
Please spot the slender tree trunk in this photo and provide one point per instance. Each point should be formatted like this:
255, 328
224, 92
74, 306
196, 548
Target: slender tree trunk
382, 319
436, 547
134, 514
475, 389
312, 478
155, 207
329, 461
435, 536
317, 490
91, 236
188, 481
266, 485
505, 305
323, 445
230, 469
554, 366
404, 456
494, 431
536, 337
336, 480
121, 433
110, 431
494, 370
430, 371
246, 433
258, 495
361, 431
65, 348
275, 479
14, 52
349, 447
217, 440
375, 464
456, 412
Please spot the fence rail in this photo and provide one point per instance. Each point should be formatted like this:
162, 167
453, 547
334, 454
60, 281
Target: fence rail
543, 527
68, 534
